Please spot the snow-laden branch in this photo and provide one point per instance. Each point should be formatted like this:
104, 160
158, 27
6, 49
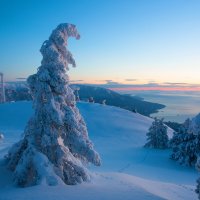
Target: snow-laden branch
56, 145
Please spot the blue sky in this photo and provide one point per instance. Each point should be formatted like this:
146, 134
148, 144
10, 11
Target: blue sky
145, 41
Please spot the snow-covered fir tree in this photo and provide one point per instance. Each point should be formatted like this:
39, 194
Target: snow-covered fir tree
76, 92
185, 144
198, 180
56, 146
1, 136
195, 124
157, 136
196, 127
91, 100
178, 136
103, 102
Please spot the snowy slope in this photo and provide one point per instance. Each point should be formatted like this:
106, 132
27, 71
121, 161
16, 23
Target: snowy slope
128, 170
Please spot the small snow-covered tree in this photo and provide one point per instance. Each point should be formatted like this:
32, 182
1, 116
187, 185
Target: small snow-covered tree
157, 136
198, 180
195, 125
178, 136
1, 136
134, 110
103, 102
76, 93
185, 144
91, 100
55, 146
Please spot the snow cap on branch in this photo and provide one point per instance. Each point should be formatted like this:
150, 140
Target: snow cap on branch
56, 145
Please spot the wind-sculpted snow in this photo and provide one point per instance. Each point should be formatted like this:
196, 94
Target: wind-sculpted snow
55, 144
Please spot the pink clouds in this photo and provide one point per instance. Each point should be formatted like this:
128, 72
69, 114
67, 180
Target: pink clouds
154, 88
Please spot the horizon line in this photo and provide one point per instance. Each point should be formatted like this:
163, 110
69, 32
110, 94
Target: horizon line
189, 89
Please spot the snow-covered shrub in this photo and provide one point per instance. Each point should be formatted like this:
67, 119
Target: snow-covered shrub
157, 136
76, 89
134, 110
56, 145
195, 124
196, 128
1, 136
91, 100
103, 102
185, 144
198, 180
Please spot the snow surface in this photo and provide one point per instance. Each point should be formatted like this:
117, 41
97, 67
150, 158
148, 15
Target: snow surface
128, 170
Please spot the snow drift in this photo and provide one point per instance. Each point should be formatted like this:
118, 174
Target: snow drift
128, 170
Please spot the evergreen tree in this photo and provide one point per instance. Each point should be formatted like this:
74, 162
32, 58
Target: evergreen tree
103, 102
1, 136
157, 136
195, 125
198, 180
91, 100
185, 144
55, 146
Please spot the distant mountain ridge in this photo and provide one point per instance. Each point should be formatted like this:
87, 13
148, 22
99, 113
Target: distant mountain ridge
17, 91
115, 99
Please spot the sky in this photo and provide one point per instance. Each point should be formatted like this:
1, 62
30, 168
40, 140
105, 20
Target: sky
146, 44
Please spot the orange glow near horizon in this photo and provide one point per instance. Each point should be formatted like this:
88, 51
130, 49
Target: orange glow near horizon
156, 88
